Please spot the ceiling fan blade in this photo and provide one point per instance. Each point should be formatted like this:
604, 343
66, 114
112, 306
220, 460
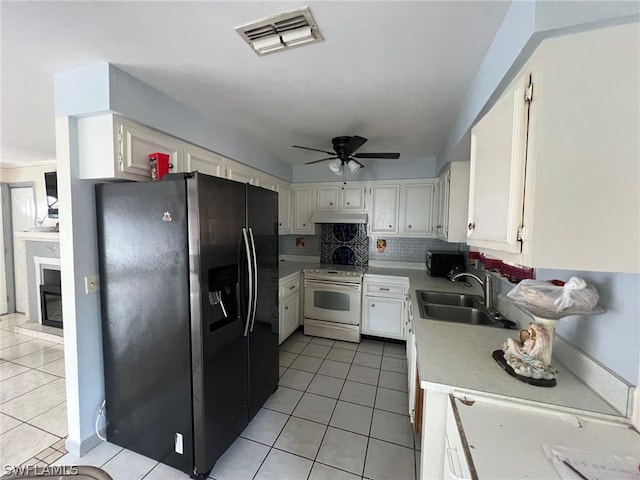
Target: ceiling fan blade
377, 155
355, 143
313, 149
321, 160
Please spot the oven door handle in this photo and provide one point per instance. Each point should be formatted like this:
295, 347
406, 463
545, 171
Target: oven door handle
333, 286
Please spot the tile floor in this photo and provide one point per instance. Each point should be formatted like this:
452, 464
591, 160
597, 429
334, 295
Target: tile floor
340, 413
33, 412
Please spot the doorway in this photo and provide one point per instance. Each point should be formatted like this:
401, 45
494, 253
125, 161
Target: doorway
23, 218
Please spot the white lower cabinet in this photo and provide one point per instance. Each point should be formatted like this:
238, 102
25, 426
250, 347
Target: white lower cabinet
289, 310
383, 306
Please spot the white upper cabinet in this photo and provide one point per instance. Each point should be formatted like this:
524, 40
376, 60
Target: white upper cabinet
328, 199
453, 203
240, 173
417, 209
352, 198
284, 208
498, 156
579, 202
340, 198
384, 209
203, 161
112, 147
302, 210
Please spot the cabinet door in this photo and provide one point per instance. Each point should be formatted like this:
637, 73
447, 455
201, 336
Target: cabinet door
137, 142
353, 199
265, 182
442, 226
240, 173
289, 312
384, 317
327, 199
302, 208
384, 209
498, 154
284, 208
416, 209
204, 161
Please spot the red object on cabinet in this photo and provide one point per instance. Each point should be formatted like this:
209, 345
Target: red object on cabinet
159, 165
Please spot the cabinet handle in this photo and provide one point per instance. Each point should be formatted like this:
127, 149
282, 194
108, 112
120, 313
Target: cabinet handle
292, 287
452, 469
383, 289
331, 203
409, 226
471, 226
438, 226
348, 203
286, 308
170, 166
304, 224
373, 305
390, 226
280, 224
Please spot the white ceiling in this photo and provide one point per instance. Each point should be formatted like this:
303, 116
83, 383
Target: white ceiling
393, 72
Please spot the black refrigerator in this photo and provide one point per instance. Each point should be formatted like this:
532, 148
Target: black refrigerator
189, 300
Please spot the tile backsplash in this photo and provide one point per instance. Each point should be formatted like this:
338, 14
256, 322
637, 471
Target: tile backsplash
397, 249
344, 244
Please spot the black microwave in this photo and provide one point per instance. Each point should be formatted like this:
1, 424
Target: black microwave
441, 263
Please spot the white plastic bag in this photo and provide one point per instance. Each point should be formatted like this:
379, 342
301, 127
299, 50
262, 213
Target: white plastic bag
576, 294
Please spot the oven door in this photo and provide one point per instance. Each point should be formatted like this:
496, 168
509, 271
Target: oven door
332, 301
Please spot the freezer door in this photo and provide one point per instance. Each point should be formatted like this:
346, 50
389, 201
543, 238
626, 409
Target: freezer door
144, 269
217, 266
262, 223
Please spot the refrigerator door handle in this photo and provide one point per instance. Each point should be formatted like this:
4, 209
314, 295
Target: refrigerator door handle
250, 279
255, 280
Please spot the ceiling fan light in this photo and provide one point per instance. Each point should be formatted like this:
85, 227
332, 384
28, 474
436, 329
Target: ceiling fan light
336, 166
353, 166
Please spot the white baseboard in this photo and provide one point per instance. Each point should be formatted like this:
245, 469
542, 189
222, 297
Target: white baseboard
89, 443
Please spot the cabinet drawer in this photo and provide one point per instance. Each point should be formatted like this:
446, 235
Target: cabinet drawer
384, 289
289, 288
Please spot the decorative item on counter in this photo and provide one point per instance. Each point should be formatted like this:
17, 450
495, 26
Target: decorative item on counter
491, 264
516, 273
381, 244
529, 359
575, 294
159, 165
300, 242
474, 258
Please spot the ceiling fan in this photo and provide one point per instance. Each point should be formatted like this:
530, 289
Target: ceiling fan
344, 148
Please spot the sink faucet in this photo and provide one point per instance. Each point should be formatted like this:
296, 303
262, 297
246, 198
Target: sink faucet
485, 284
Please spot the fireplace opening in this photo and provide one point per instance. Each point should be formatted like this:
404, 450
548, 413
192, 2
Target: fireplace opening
51, 298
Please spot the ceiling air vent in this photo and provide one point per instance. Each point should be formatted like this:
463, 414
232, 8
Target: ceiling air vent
280, 32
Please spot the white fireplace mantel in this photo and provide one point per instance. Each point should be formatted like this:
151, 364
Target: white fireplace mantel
21, 276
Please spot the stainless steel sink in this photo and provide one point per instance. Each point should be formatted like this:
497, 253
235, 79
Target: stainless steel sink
443, 298
459, 308
450, 313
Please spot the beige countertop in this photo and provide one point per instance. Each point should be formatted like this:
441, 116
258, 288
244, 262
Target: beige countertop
457, 358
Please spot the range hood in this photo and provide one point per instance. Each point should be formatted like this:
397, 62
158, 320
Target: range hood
338, 217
